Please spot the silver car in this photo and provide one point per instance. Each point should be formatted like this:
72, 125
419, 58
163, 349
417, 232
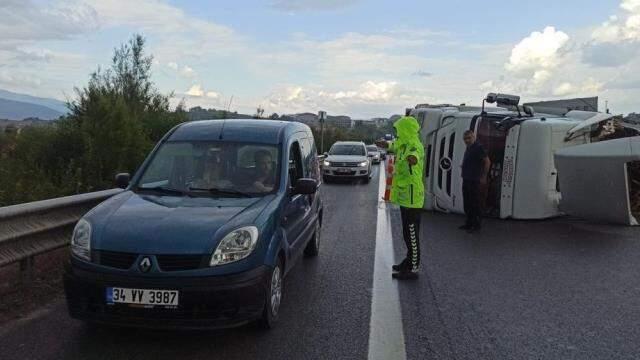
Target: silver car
374, 154
347, 159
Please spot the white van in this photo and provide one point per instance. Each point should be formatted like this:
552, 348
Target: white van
523, 180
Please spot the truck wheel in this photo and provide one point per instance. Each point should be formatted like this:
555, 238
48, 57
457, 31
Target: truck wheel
271, 311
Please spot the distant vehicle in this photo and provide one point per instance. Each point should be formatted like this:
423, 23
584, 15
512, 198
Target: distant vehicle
374, 154
347, 159
523, 180
388, 137
205, 232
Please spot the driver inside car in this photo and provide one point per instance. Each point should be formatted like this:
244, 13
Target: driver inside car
264, 172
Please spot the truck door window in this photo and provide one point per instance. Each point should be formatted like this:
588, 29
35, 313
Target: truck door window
452, 140
427, 165
439, 160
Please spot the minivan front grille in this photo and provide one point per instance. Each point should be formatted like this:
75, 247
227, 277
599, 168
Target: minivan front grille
118, 260
179, 262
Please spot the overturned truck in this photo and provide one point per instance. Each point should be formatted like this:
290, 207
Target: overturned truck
526, 179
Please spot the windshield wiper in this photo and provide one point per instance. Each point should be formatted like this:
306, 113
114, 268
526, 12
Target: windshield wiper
216, 191
163, 189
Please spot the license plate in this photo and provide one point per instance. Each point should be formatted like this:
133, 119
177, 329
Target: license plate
116, 295
343, 171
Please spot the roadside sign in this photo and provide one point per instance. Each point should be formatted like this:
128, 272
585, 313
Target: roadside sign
322, 116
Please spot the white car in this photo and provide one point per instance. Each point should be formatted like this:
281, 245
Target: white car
347, 159
374, 154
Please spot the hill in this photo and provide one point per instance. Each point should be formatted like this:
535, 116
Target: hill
53, 104
18, 110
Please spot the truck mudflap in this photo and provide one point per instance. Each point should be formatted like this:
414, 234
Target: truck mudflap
601, 181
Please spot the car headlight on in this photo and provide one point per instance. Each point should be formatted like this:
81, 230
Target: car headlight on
237, 245
326, 163
81, 240
364, 163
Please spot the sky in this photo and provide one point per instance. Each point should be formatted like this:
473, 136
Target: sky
360, 58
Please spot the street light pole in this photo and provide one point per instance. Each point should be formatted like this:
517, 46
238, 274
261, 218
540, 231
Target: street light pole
321, 117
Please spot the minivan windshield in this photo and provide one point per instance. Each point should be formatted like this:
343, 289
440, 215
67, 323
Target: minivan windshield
372, 148
218, 169
346, 149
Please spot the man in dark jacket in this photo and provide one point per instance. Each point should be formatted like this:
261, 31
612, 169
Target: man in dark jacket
475, 168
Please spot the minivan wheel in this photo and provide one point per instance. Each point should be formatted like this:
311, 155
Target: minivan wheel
271, 311
313, 246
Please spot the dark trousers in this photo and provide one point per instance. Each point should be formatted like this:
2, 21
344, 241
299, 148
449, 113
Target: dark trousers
471, 199
411, 233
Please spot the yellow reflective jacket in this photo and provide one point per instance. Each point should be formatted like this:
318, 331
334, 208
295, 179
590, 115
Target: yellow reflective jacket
407, 188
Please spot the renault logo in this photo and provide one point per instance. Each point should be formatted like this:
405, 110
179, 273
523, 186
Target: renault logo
145, 264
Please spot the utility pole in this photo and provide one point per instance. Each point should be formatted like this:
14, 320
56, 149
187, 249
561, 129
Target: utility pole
321, 117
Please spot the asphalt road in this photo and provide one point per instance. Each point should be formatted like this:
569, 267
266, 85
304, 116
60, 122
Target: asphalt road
559, 289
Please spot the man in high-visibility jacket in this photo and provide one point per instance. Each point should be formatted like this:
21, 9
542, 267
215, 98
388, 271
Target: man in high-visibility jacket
407, 190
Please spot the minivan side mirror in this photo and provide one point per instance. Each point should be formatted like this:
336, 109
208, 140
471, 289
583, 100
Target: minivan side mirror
122, 180
305, 186
326, 153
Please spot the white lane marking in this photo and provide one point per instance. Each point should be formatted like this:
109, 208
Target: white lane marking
386, 332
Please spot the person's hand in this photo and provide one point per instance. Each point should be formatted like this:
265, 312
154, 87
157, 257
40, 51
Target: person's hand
382, 143
259, 186
412, 160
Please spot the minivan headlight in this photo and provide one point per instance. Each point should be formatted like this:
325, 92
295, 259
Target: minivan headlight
237, 245
81, 240
364, 163
326, 163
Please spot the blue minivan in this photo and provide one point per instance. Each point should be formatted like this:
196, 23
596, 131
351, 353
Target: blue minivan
205, 231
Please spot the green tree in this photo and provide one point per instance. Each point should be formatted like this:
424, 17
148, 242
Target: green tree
114, 122
120, 115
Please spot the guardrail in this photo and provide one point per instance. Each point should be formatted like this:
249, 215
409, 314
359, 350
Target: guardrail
30, 229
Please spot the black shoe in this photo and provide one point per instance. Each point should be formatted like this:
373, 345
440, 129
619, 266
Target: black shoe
405, 275
464, 227
473, 229
400, 266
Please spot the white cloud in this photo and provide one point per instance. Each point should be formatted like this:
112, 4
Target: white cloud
13, 80
213, 95
353, 56
563, 89
175, 31
368, 97
195, 91
616, 41
631, 5
307, 5
30, 21
187, 72
184, 71
540, 52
